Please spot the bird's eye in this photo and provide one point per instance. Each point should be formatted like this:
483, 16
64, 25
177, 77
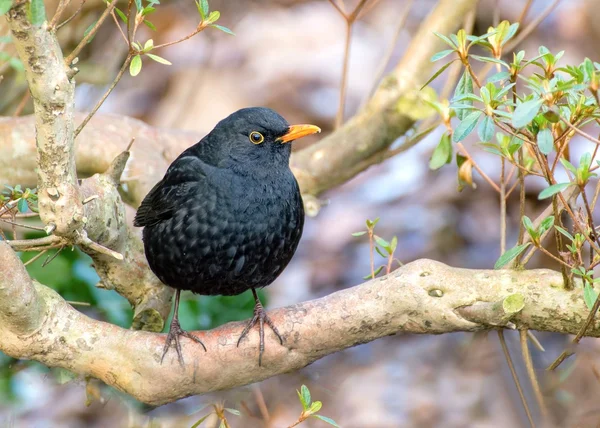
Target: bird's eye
256, 137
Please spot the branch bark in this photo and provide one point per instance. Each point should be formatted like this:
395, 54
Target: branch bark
52, 92
420, 297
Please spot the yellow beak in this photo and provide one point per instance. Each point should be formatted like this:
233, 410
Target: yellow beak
298, 131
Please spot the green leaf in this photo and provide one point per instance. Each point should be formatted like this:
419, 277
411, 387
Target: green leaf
382, 242
466, 126
158, 59
437, 73
233, 411
22, 205
138, 5
503, 75
121, 15
441, 55
203, 9
305, 395
442, 154
488, 59
37, 12
149, 25
199, 421
509, 255
553, 190
485, 130
357, 234
464, 86
378, 250
88, 29
530, 227
315, 407
525, 112
213, 16
136, 65
5, 6
589, 295
375, 273
568, 165
223, 29
545, 141
326, 419
564, 232
446, 40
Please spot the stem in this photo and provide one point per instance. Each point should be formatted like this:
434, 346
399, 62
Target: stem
371, 251
106, 94
531, 373
91, 33
502, 208
339, 119
479, 170
515, 377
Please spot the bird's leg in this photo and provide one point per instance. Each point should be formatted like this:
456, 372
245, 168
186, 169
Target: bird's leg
175, 331
261, 317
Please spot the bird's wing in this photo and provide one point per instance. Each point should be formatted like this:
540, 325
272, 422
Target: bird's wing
184, 174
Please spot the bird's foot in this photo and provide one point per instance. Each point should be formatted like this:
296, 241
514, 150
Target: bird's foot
262, 318
174, 332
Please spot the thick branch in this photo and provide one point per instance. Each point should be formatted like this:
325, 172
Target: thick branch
53, 100
421, 297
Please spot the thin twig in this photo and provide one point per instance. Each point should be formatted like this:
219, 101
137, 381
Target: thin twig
479, 170
62, 4
525, 10
70, 18
531, 373
106, 94
502, 206
515, 377
390, 51
34, 258
91, 33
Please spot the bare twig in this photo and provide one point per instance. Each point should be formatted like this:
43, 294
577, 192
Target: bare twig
91, 33
515, 377
531, 373
70, 18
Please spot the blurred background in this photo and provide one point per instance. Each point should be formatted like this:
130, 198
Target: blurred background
288, 55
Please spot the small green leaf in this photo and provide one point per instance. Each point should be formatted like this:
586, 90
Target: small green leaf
37, 12
441, 55
136, 65
464, 86
466, 126
22, 205
148, 45
357, 234
375, 273
446, 40
525, 112
545, 140
138, 5
380, 241
158, 59
305, 395
564, 232
149, 25
485, 130
223, 29
5, 6
204, 9
442, 154
503, 75
121, 15
199, 421
326, 419
214, 16
509, 255
233, 411
440, 71
589, 295
378, 250
553, 190
88, 29
315, 407
568, 165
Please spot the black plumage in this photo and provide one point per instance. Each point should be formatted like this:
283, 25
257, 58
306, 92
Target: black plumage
228, 215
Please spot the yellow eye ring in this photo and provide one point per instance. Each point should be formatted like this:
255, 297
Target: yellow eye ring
256, 137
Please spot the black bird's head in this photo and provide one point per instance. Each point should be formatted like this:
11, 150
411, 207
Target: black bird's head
255, 136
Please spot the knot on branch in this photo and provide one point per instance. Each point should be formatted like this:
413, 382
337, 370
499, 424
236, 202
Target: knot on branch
498, 313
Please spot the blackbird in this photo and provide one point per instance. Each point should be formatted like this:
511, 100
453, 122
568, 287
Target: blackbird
227, 216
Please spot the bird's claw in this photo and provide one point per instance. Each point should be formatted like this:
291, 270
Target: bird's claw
174, 332
262, 318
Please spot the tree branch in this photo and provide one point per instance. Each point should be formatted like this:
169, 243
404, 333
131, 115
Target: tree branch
52, 92
420, 297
